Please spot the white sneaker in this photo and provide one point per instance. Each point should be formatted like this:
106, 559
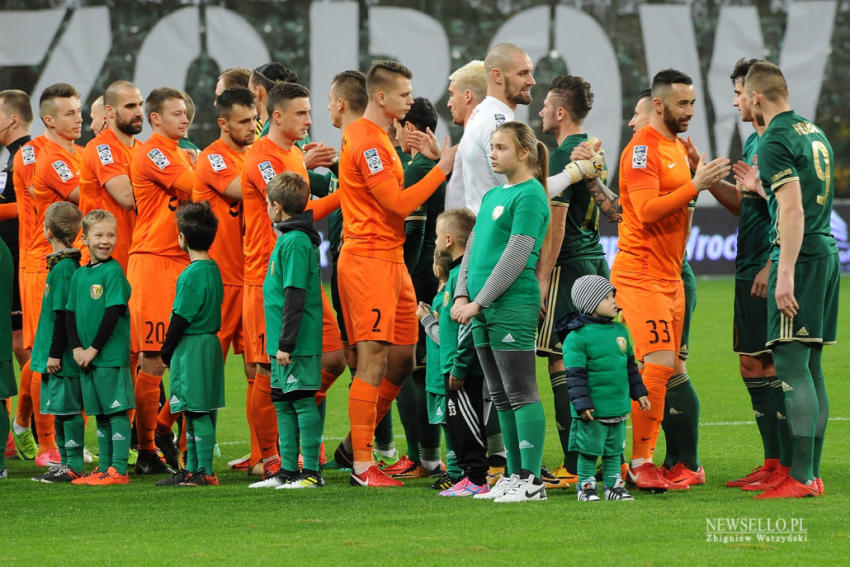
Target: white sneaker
587, 491
500, 488
525, 490
88, 458
273, 481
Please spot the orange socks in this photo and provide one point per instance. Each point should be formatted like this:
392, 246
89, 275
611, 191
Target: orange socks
265, 417
43, 422
146, 392
252, 427
24, 412
328, 380
647, 424
386, 394
362, 412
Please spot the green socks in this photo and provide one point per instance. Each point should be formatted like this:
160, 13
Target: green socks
507, 422
681, 422
121, 433
452, 465
309, 424
563, 417
765, 409
586, 466
202, 429
531, 431
4, 432
191, 448
287, 429
72, 429
801, 404
104, 443
406, 401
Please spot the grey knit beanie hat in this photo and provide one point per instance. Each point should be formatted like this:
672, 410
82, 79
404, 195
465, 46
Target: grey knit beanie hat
588, 292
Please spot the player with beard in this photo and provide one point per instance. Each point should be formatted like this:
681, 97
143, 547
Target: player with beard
105, 174
509, 80
656, 187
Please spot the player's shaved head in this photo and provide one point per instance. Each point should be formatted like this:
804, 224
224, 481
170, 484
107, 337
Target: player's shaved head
63, 220
282, 93
383, 76
47, 105
663, 81
767, 79
15, 102
290, 191
472, 77
114, 91
502, 56
157, 98
573, 94
350, 86
225, 102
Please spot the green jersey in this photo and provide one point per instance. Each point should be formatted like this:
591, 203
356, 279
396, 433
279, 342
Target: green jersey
421, 225
57, 288
434, 380
457, 350
753, 225
95, 287
581, 234
794, 149
294, 262
198, 297
604, 350
507, 210
7, 275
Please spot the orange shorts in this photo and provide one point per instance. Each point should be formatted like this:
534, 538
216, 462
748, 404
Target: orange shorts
331, 339
153, 280
653, 311
32, 292
231, 320
378, 300
254, 325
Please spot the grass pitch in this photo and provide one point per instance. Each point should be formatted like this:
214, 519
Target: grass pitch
230, 524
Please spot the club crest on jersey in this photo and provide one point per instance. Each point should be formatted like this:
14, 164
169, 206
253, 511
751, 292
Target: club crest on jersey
267, 171
622, 343
217, 162
28, 154
62, 170
96, 291
497, 212
639, 157
158, 158
373, 160
445, 298
499, 118
104, 153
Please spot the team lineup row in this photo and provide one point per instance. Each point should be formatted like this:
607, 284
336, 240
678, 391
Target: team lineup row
509, 230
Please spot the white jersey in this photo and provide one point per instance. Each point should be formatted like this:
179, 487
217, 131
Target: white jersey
474, 149
455, 198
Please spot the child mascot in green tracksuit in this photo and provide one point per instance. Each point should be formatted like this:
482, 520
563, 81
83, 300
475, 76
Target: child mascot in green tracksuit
601, 376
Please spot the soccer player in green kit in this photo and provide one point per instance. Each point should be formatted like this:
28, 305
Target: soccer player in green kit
795, 164
498, 288
61, 394
99, 333
293, 308
8, 387
191, 348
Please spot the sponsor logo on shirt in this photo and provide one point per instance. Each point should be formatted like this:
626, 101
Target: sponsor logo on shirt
499, 118
267, 171
158, 158
96, 291
104, 153
62, 170
622, 343
639, 157
497, 212
217, 162
373, 160
28, 155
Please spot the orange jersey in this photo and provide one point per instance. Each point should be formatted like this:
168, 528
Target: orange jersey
216, 168
104, 159
57, 174
367, 158
157, 166
655, 188
23, 172
264, 161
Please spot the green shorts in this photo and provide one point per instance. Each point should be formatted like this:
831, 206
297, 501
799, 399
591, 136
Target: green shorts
597, 439
749, 321
303, 373
436, 404
506, 327
107, 390
816, 290
197, 374
61, 395
689, 281
8, 386
559, 302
